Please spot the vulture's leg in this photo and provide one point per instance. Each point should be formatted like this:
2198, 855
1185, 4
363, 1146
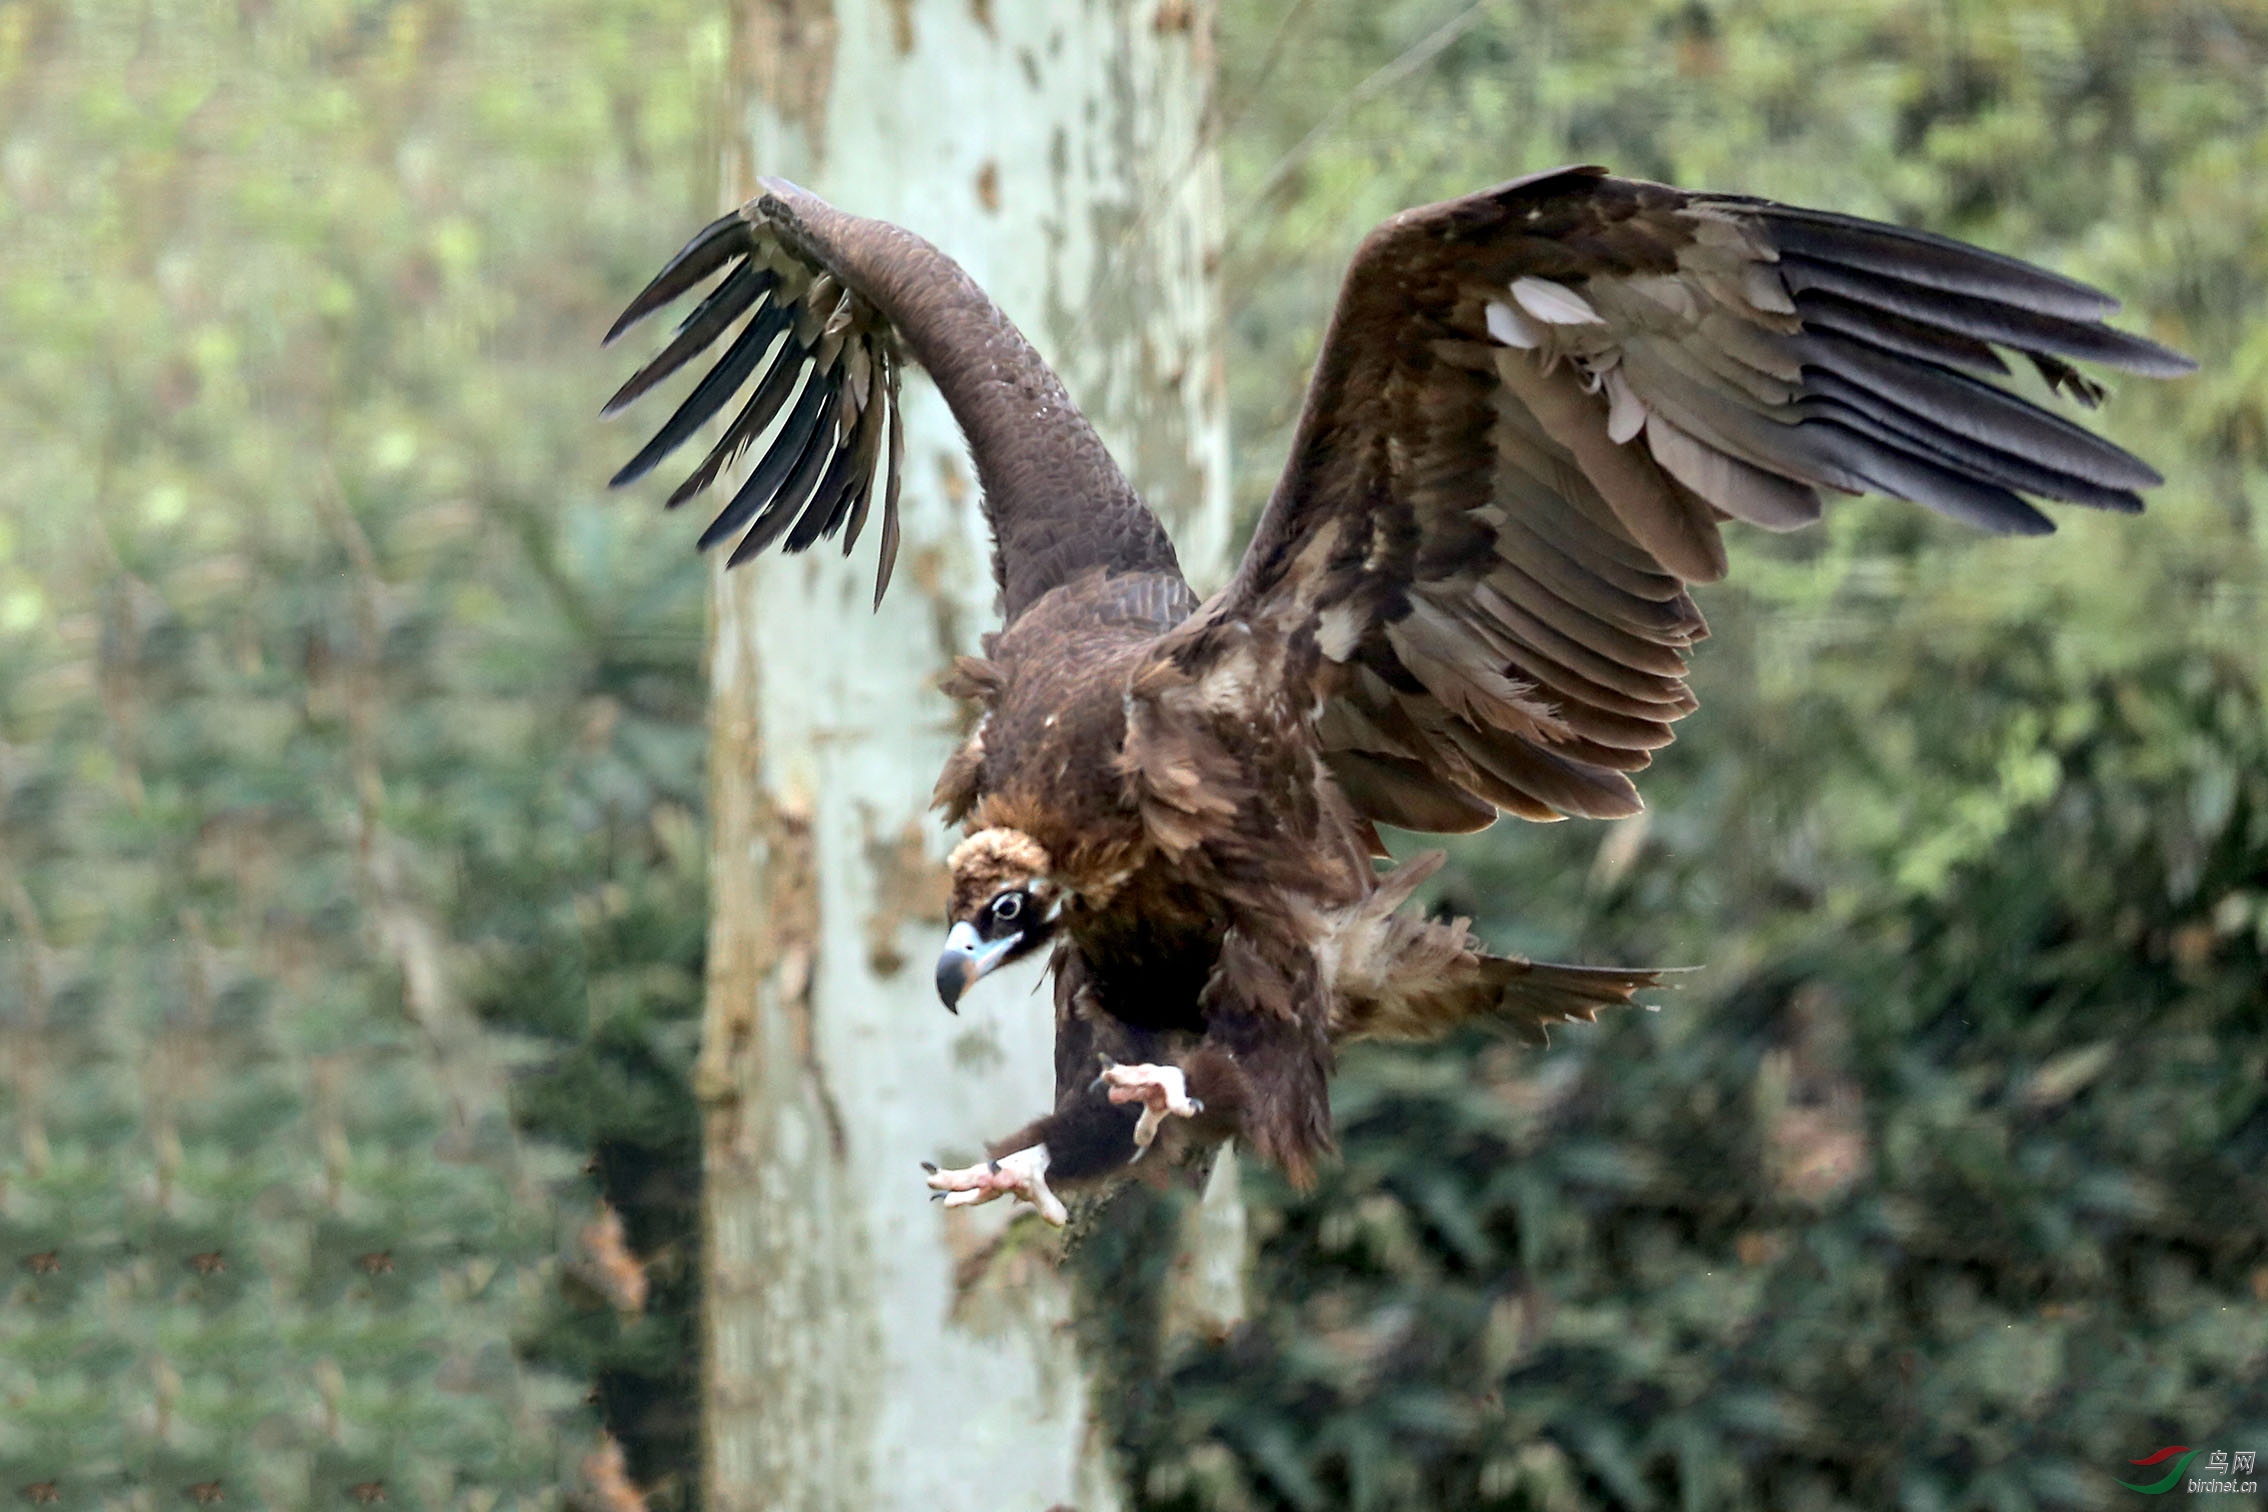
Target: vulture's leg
1083, 1139
1162, 1091
1086, 1137
1262, 1069
1022, 1173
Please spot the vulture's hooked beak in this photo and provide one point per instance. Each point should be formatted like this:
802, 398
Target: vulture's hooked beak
966, 958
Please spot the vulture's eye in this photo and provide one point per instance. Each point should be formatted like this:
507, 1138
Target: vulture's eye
1007, 908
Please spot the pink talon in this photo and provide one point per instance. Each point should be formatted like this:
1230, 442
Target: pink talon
1163, 1092
1022, 1173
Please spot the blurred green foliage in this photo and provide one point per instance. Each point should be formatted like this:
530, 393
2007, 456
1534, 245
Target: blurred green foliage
1941, 1187
351, 907
351, 899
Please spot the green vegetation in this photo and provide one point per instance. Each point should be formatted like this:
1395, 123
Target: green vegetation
350, 752
351, 908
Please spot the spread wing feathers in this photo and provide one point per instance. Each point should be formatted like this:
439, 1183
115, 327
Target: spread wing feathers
1399, 977
804, 328
1532, 410
818, 366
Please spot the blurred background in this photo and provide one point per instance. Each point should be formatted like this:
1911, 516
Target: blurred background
351, 790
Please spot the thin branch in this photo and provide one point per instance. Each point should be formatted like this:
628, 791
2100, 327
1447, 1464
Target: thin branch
1414, 57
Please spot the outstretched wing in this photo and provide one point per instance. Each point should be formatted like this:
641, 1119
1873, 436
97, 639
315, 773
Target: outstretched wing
808, 323
814, 357
1532, 410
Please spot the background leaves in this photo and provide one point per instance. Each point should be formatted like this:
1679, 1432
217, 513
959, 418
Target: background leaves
351, 755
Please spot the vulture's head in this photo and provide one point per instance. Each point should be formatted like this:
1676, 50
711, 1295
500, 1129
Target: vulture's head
1004, 907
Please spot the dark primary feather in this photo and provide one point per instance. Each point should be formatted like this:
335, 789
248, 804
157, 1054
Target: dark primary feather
829, 505
714, 245
716, 388
795, 494
1987, 415
769, 477
726, 303
1533, 408
758, 411
1923, 258
1824, 312
824, 304
806, 336
2023, 327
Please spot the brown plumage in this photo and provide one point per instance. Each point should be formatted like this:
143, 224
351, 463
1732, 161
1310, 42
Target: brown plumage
1534, 407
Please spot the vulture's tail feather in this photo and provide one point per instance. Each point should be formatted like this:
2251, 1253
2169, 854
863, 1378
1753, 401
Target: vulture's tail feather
1529, 996
1399, 977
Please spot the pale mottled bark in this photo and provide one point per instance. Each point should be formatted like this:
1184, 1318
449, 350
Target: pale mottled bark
868, 1350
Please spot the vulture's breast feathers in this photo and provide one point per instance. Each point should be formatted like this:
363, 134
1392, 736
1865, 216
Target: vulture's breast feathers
1058, 783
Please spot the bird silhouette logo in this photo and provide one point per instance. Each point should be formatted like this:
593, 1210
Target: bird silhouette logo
2172, 1477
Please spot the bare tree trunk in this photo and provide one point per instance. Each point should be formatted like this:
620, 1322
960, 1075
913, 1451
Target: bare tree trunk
865, 1349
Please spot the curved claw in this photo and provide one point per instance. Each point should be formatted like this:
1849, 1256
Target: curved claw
1163, 1092
1021, 1173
